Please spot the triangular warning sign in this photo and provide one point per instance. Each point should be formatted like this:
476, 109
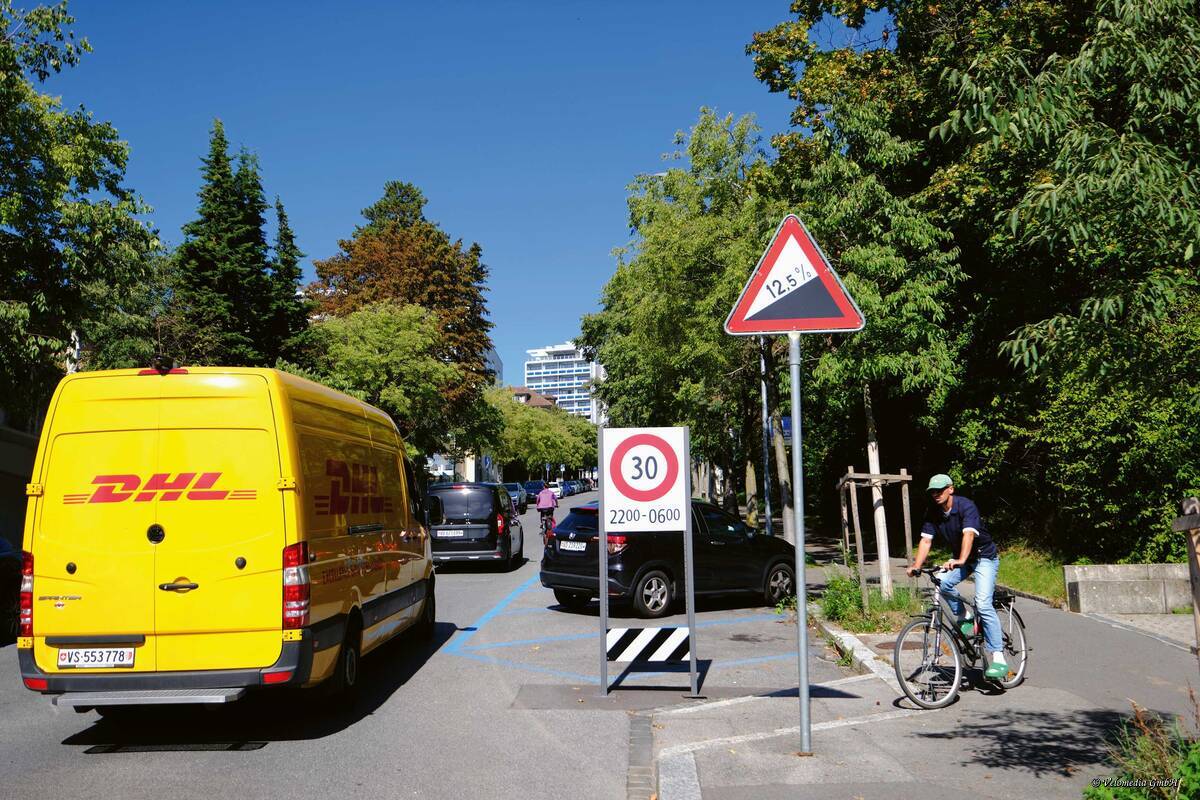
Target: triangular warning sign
793, 288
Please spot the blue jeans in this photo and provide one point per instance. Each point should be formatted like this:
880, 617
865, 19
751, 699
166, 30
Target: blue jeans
984, 573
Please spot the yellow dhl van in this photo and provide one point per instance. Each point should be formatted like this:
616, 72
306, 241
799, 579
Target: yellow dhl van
195, 533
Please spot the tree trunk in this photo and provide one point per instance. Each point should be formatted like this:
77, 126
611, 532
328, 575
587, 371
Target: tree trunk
751, 495
783, 477
881, 534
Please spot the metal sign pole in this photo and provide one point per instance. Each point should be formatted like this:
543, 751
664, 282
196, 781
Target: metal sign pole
602, 586
798, 505
766, 426
689, 564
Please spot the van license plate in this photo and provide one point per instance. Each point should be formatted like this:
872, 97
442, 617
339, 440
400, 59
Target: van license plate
95, 657
573, 546
449, 534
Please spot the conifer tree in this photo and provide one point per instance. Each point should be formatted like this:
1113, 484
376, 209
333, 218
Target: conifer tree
289, 308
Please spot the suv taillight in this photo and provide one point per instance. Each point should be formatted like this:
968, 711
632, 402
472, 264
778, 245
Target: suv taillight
500, 524
616, 544
25, 627
296, 586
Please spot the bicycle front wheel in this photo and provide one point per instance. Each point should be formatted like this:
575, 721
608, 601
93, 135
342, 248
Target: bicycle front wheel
1016, 651
928, 663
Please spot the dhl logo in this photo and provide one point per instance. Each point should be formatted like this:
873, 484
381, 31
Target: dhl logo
162, 485
353, 489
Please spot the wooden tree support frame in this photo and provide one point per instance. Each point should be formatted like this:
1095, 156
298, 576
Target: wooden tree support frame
1189, 525
848, 486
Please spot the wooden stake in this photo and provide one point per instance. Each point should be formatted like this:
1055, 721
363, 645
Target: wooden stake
908, 539
862, 568
845, 527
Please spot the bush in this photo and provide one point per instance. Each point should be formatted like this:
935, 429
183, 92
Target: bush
1148, 753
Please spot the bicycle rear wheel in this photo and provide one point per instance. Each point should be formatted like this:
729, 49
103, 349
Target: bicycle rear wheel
1016, 651
928, 663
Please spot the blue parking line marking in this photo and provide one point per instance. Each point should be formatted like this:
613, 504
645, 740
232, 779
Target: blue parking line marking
456, 644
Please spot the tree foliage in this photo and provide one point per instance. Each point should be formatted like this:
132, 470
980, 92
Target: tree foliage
68, 225
534, 437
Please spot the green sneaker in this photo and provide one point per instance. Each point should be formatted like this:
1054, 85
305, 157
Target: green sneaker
967, 626
996, 671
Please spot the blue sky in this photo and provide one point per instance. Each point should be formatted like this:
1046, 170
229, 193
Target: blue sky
522, 122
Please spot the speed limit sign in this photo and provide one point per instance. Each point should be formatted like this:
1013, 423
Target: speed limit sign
644, 485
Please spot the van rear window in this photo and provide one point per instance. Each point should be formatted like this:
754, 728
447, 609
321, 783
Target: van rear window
471, 502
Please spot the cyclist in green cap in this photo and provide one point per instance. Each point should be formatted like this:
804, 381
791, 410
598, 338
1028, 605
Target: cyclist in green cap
956, 520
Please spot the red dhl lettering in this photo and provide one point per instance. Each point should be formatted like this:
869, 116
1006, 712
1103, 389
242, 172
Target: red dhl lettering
353, 489
164, 486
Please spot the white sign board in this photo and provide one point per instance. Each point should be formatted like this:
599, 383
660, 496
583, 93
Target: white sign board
644, 481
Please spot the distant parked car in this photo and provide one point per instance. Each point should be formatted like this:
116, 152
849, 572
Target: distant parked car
517, 492
474, 522
557, 488
533, 489
10, 591
647, 567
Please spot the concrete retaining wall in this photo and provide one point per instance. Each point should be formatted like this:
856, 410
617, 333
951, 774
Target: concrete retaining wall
1127, 588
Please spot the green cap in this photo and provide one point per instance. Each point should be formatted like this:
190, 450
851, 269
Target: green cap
939, 481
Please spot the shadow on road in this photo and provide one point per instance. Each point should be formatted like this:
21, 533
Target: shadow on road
1039, 742
264, 717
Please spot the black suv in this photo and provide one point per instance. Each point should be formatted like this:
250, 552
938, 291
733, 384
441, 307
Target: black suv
474, 522
647, 568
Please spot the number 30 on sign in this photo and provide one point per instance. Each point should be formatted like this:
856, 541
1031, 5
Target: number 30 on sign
644, 486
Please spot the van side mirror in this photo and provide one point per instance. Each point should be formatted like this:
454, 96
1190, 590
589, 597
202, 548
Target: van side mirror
434, 512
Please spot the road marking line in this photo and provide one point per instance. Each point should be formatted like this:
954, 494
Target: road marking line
691, 747
457, 642
733, 701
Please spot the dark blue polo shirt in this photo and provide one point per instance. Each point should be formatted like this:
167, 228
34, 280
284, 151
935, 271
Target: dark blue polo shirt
949, 526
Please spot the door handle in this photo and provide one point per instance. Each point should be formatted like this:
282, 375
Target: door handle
178, 587
715, 542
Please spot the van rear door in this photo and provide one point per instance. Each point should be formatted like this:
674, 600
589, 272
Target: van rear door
93, 563
217, 572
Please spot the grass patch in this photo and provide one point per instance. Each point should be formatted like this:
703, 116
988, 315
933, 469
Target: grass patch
1033, 571
1181, 610
1154, 758
842, 603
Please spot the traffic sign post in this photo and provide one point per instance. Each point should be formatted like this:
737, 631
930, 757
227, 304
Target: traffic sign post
794, 290
645, 485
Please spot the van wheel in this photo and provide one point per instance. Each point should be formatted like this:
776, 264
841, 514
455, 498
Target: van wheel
428, 623
345, 675
652, 597
572, 601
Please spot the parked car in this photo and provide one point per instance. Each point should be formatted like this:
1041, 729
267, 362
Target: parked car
577, 486
10, 591
517, 492
557, 488
533, 489
474, 522
646, 568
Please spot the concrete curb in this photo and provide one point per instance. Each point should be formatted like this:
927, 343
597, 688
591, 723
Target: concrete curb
1030, 596
862, 656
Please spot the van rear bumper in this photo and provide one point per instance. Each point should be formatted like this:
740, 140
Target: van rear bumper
294, 658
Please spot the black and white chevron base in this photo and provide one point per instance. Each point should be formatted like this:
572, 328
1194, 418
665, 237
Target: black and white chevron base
648, 644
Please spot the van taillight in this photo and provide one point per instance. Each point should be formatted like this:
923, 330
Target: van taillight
500, 524
296, 586
26, 603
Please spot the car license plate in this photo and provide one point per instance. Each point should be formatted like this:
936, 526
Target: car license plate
449, 534
95, 657
575, 547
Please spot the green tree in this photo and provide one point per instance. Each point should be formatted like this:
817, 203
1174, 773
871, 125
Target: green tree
289, 307
533, 437
68, 225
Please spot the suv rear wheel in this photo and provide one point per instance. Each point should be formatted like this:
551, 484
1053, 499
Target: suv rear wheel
652, 597
781, 583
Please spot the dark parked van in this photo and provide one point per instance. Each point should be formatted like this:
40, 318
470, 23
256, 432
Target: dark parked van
474, 522
647, 567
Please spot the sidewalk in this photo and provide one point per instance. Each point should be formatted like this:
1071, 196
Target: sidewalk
1047, 738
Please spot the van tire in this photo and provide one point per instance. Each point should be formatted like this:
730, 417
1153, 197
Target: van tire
428, 622
346, 672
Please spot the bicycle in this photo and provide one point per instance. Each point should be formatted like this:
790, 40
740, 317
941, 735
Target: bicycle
547, 515
929, 653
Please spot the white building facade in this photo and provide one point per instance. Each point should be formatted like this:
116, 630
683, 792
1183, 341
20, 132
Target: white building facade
562, 371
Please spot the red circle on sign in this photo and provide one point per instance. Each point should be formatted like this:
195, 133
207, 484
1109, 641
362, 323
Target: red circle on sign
644, 495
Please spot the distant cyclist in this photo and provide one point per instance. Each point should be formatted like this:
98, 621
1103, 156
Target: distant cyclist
546, 503
956, 520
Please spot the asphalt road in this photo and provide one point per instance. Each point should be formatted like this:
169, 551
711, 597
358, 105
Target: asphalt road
504, 703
